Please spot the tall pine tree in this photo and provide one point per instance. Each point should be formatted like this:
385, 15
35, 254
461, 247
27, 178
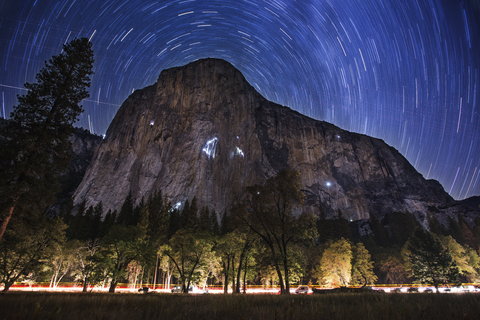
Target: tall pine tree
34, 145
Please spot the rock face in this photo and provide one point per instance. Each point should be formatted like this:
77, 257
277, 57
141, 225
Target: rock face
83, 147
203, 131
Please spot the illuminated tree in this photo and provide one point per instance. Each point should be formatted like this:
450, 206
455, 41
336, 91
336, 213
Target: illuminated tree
335, 267
461, 256
122, 245
189, 253
25, 245
430, 261
60, 261
34, 145
227, 249
362, 266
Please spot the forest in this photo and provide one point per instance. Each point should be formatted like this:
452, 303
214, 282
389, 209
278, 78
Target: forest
260, 241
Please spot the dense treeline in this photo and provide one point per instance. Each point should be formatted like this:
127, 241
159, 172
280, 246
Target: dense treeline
152, 242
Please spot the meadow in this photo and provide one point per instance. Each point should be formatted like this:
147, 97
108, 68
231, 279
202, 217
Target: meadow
41, 305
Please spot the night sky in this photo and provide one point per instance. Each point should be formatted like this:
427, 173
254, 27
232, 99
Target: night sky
403, 71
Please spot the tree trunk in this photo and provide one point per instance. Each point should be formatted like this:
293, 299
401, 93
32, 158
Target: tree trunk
5, 221
51, 281
285, 270
234, 290
245, 276
8, 284
113, 285
280, 278
227, 269
155, 274
239, 272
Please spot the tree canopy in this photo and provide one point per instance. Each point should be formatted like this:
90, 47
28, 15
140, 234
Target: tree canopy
269, 213
35, 148
431, 261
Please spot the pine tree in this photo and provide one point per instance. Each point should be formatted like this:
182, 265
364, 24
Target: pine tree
192, 222
435, 225
225, 224
34, 144
125, 216
380, 235
204, 220
107, 223
431, 262
174, 222
97, 220
214, 223
362, 266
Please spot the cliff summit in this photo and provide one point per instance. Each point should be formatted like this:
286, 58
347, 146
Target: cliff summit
202, 130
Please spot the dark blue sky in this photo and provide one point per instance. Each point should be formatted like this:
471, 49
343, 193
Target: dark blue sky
403, 71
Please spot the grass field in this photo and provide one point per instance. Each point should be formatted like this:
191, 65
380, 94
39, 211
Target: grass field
40, 305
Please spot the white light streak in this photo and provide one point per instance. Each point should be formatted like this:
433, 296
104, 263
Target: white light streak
341, 45
126, 35
239, 152
90, 39
361, 55
210, 147
188, 12
459, 115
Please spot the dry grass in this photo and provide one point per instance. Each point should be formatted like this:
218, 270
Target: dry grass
39, 305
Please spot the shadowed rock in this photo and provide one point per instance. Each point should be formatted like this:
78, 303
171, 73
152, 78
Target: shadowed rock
202, 130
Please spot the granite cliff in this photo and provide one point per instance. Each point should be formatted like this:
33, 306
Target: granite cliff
202, 130
83, 145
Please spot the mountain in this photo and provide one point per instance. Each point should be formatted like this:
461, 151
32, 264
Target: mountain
83, 145
202, 130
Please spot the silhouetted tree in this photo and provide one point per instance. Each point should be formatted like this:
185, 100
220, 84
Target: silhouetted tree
125, 216
269, 214
204, 220
34, 145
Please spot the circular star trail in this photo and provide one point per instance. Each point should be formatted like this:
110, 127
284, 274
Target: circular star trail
403, 71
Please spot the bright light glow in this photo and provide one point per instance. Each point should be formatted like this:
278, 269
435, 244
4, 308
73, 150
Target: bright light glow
104, 136
328, 184
152, 122
210, 147
239, 152
176, 206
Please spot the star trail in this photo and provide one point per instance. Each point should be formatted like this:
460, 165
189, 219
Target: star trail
403, 71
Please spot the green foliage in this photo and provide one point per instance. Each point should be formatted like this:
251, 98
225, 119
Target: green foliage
362, 266
25, 245
430, 261
268, 212
125, 216
122, 245
335, 266
464, 257
190, 253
